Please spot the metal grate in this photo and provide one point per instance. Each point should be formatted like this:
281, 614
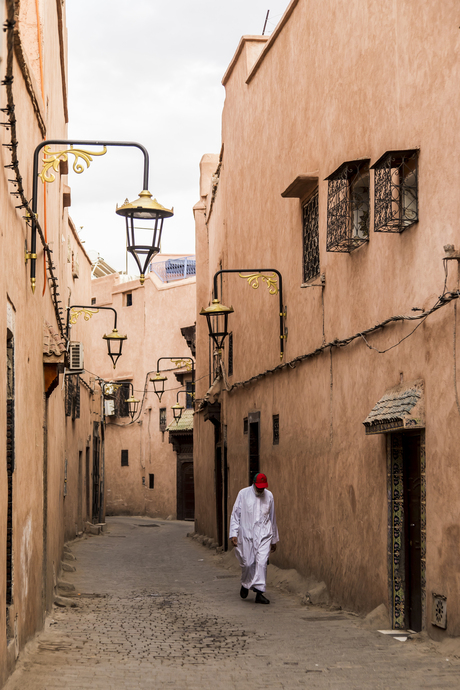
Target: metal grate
311, 239
72, 396
276, 429
189, 395
162, 418
439, 610
348, 207
121, 396
396, 191
230, 354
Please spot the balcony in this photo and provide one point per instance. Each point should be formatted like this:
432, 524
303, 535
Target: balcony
174, 269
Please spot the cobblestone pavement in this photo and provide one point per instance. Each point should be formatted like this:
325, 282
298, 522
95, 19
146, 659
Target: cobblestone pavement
157, 610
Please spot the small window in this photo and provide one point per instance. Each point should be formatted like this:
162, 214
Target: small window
396, 191
162, 418
276, 429
151, 481
121, 396
124, 458
230, 354
348, 207
129, 299
93, 300
143, 481
189, 395
245, 425
310, 238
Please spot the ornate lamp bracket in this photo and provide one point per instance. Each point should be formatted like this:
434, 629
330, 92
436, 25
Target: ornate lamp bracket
53, 158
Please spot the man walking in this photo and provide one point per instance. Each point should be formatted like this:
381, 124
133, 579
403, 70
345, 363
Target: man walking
254, 535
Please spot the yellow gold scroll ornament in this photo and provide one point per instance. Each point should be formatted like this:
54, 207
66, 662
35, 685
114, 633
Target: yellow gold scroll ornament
53, 159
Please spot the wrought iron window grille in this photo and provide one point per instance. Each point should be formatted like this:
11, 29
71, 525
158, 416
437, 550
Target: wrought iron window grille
311, 238
348, 207
396, 191
121, 396
72, 396
230, 354
189, 395
276, 429
163, 419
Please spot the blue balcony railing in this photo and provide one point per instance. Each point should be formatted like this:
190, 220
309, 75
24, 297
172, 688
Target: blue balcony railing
174, 269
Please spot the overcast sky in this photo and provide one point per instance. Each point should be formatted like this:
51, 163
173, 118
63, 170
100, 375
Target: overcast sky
150, 71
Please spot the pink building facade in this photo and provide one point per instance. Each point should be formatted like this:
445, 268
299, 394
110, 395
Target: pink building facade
50, 417
149, 459
338, 173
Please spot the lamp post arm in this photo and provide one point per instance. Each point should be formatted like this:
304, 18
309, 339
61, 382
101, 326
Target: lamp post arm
177, 358
33, 238
280, 292
86, 306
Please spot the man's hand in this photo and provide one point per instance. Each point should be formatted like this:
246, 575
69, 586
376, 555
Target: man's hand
273, 548
235, 541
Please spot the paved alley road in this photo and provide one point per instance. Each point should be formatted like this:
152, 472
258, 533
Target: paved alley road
158, 610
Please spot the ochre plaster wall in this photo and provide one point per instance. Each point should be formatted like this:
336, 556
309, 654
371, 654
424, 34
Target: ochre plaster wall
153, 322
338, 82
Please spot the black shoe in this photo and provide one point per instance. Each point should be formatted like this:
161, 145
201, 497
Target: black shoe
260, 599
243, 592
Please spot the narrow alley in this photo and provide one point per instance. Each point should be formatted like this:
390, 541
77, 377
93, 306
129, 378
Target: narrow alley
158, 610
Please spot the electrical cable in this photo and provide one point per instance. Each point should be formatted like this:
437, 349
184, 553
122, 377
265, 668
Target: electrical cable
444, 299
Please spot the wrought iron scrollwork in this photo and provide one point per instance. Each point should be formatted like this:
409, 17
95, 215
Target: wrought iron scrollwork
311, 239
348, 207
395, 191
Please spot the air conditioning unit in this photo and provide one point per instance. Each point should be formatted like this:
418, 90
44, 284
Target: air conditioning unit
75, 356
109, 408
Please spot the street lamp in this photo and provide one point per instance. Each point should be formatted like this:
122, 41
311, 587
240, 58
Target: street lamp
217, 313
133, 403
178, 409
114, 339
217, 318
144, 209
159, 381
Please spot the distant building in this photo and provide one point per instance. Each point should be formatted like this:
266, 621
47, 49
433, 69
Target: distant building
338, 169
149, 460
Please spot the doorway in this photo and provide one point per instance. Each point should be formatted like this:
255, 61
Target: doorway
407, 544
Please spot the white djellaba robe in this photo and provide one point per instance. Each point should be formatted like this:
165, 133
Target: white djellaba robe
253, 522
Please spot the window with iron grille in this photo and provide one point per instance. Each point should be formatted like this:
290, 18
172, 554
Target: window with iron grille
124, 458
396, 191
245, 425
189, 397
348, 207
310, 239
121, 396
230, 354
276, 429
162, 418
72, 396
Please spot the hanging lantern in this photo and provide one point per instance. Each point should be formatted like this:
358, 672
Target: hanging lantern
159, 384
217, 318
133, 406
114, 345
143, 243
